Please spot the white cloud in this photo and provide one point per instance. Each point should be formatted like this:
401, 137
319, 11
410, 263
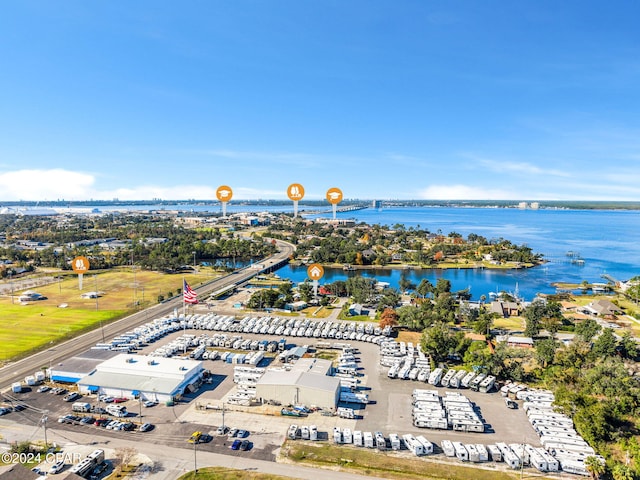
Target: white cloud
466, 192
524, 168
52, 184
60, 184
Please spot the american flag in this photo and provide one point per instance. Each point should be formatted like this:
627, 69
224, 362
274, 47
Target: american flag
188, 294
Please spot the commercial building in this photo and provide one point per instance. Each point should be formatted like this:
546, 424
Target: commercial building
307, 382
73, 369
150, 378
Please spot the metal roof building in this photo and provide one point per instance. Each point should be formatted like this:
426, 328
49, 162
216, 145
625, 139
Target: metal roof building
73, 369
306, 383
150, 378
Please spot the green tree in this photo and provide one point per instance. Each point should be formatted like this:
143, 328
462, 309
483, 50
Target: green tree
305, 289
621, 471
542, 315
442, 286
484, 323
587, 329
594, 466
605, 345
405, 284
627, 346
545, 351
424, 288
439, 342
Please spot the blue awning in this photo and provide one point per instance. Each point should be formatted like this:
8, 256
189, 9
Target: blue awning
135, 393
63, 379
93, 388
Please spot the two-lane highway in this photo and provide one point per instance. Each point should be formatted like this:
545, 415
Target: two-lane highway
15, 372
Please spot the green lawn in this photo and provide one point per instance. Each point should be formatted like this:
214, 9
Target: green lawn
221, 473
388, 465
37, 325
32, 327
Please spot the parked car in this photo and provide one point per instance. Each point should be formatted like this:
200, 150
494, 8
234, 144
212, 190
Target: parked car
233, 432
57, 467
71, 397
145, 427
120, 400
43, 388
150, 403
4, 411
236, 444
98, 410
245, 445
105, 398
101, 422
87, 420
221, 430
243, 433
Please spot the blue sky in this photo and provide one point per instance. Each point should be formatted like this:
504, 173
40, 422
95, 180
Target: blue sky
383, 99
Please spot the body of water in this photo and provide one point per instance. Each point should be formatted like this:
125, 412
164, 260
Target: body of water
608, 241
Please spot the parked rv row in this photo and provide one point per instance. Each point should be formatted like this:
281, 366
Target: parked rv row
557, 433
454, 410
407, 362
158, 328
30, 380
303, 432
515, 455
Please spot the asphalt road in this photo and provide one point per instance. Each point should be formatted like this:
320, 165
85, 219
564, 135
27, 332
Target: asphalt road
15, 372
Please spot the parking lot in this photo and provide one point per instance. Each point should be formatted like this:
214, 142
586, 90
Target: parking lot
388, 412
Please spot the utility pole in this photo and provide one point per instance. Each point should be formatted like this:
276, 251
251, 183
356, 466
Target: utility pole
195, 463
44, 424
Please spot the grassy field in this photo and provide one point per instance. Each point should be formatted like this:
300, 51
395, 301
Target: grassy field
39, 325
221, 473
511, 323
390, 466
407, 336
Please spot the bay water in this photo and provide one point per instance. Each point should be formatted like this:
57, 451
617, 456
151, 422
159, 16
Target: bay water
606, 241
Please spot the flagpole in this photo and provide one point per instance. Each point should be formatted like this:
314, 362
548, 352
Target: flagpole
184, 315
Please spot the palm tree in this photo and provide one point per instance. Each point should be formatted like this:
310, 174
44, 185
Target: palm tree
594, 466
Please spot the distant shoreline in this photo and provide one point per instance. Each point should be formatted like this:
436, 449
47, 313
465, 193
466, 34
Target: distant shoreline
510, 204
444, 266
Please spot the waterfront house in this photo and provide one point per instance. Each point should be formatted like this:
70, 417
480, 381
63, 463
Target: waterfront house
603, 308
505, 309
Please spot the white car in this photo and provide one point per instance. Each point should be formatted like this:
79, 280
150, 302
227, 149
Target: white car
57, 467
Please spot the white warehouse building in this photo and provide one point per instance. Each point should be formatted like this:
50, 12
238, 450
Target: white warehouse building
306, 383
150, 378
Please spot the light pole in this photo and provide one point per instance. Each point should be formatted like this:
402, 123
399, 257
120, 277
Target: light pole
194, 260
195, 463
44, 425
